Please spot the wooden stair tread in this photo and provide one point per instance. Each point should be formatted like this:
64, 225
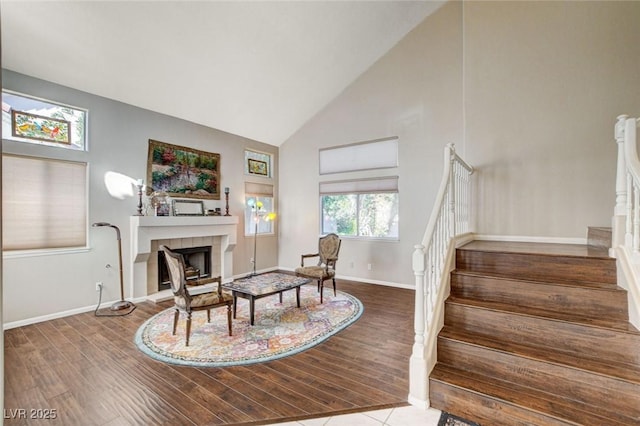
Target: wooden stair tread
616, 370
551, 249
554, 406
567, 283
622, 326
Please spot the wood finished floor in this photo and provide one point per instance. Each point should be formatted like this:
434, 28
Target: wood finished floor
90, 372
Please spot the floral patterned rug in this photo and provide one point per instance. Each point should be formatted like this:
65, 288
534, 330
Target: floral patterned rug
280, 330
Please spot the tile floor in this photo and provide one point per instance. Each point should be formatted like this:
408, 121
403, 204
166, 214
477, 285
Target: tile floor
402, 416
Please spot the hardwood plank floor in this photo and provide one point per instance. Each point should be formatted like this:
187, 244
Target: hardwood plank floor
90, 372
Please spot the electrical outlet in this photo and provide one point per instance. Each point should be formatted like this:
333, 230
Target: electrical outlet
369, 266
352, 264
98, 286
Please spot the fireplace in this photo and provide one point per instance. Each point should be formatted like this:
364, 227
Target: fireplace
148, 233
197, 261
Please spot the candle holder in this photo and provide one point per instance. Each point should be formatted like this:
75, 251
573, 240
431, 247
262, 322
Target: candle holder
140, 185
226, 196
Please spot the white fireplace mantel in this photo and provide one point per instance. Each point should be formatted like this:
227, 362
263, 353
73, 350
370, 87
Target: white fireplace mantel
145, 229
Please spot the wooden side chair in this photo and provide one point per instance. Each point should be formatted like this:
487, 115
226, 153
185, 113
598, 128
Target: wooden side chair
325, 269
187, 303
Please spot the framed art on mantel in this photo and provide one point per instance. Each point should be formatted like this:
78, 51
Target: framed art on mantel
183, 172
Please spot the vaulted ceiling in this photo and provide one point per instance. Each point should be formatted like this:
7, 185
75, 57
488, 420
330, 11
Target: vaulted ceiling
256, 69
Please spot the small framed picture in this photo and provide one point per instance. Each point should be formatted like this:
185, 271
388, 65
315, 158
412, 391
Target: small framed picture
257, 167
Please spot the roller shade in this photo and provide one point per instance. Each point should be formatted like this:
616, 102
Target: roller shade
258, 189
44, 203
377, 154
360, 186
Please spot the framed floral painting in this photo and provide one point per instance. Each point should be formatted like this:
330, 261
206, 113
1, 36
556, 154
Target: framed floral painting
183, 172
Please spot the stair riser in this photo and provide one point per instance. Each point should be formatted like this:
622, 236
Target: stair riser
484, 409
599, 237
588, 388
582, 301
591, 342
538, 267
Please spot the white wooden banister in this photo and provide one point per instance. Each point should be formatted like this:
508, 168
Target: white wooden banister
626, 217
432, 261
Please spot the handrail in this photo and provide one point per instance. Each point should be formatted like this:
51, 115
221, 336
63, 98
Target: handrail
450, 218
626, 219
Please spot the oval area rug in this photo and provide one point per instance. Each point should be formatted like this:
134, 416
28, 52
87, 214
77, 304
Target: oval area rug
280, 330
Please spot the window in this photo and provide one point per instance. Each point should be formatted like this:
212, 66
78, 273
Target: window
259, 209
31, 120
365, 208
257, 163
44, 203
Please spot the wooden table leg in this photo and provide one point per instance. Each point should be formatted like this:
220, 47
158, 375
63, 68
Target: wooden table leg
235, 303
252, 304
298, 296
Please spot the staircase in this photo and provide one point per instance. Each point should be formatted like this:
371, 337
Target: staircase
537, 334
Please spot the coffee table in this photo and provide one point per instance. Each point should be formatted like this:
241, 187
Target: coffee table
263, 285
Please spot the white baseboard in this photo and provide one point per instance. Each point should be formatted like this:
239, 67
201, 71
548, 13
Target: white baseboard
363, 280
56, 315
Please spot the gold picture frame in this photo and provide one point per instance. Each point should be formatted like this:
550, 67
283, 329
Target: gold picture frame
183, 172
257, 167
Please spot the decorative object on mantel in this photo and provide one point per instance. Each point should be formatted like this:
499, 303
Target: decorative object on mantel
259, 213
160, 203
124, 307
226, 196
280, 330
139, 185
183, 172
188, 208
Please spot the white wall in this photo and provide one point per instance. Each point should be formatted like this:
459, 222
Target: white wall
544, 82
37, 286
413, 92
542, 85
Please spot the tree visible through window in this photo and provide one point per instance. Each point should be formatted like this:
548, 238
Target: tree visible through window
361, 215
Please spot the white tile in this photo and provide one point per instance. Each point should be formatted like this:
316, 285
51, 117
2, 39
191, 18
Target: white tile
380, 415
320, 421
359, 419
413, 416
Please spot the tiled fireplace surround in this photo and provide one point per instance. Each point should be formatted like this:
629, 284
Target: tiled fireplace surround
149, 232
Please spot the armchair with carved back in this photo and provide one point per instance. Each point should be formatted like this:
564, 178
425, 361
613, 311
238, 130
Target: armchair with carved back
184, 301
325, 269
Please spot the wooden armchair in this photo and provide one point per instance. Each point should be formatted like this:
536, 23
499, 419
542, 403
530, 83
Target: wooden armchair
187, 303
328, 250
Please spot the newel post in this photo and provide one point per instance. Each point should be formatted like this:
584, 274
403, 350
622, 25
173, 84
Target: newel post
618, 223
418, 391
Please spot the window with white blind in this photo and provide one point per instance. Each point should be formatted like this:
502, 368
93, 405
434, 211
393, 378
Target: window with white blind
364, 208
258, 206
44, 203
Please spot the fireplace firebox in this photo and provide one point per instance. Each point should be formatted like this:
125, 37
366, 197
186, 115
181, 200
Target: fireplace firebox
197, 262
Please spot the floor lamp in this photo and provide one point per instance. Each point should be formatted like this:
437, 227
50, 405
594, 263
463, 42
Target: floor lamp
258, 212
121, 304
